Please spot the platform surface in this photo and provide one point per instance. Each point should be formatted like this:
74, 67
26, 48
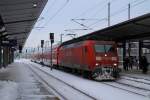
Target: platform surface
17, 82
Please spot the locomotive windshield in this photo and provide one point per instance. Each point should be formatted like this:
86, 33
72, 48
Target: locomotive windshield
104, 48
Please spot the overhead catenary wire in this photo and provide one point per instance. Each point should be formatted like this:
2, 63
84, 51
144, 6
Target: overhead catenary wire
51, 5
90, 9
134, 3
125, 8
80, 24
85, 12
104, 3
100, 20
48, 9
93, 7
76, 20
138, 3
55, 14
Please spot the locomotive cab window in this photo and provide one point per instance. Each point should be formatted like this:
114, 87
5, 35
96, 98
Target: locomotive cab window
109, 48
104, 48
99, 48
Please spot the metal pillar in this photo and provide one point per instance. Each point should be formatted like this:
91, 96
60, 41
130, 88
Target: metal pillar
0, 57
61, 35
11, 56
42, 57
129, 10
51, 57
129, 49
129, 43
140, 52
5, 56
124, 52
109, 14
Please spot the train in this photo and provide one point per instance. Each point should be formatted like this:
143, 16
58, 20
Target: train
93, 59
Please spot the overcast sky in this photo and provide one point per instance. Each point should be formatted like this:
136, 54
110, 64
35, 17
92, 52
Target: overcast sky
57, 14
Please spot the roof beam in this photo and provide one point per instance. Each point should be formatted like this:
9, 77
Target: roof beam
139, 36
17, 3
144, 25
12, 34
20, 21
17, 33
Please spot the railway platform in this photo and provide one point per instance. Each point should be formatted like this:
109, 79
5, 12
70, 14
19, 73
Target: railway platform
136, 72
17, 82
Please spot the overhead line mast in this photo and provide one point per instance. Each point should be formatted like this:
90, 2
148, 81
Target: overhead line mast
108, 14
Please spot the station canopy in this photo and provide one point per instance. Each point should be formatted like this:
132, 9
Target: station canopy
17, 18
136, 28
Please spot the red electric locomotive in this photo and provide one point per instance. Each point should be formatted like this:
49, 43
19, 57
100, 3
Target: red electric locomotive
96, 59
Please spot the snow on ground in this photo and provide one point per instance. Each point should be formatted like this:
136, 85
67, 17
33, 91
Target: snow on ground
136, 84
8, 90
97, 89
65, 90
137, 79
139, 76
17, 82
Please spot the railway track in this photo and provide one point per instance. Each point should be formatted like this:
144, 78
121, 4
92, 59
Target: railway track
126, 84
135, 80
134, 77
89, 96
130, 88
45, 82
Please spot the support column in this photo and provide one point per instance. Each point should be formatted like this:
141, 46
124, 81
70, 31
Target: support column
129, 49
124, 52
0, 57
140, 52
11, 55
5, 56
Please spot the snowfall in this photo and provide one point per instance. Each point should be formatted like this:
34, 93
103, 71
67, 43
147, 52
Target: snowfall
18, 82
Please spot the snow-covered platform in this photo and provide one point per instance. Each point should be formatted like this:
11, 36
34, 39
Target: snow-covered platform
136, 73
17, 82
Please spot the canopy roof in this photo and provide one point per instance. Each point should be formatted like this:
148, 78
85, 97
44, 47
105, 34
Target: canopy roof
17, 18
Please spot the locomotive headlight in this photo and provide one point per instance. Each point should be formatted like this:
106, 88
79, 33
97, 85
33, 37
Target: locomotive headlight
114, 58
96, 64
115, 64
105, 55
